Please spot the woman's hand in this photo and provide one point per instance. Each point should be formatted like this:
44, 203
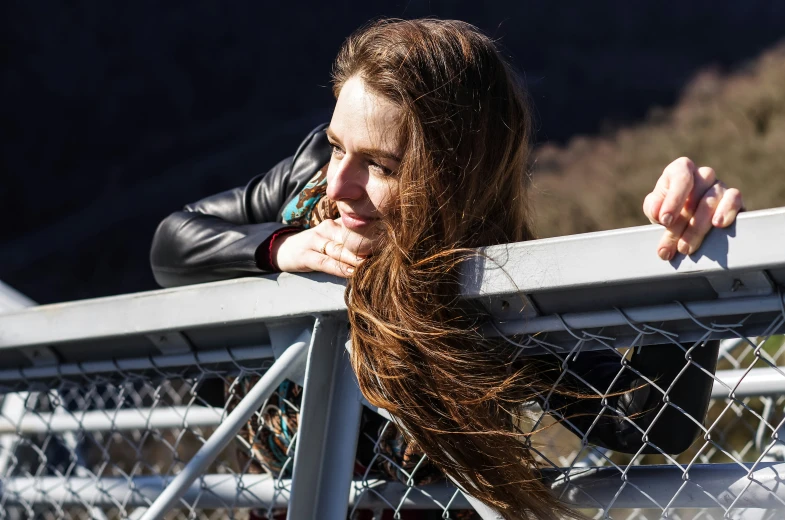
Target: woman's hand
328, 247
688, 201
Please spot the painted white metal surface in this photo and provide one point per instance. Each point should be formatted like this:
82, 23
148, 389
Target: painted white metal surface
328, 430
220, 304
756, 242
769, 381
169, 417
212, 491
12, 408
252, 353
707, 486
699, 486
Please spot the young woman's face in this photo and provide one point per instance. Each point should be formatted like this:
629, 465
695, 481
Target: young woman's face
361, 176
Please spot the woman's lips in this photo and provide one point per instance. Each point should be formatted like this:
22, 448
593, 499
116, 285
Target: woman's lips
355, 221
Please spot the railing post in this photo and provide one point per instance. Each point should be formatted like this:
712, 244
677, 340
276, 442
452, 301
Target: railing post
329, 428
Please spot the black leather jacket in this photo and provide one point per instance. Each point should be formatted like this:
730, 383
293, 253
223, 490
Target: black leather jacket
219, 237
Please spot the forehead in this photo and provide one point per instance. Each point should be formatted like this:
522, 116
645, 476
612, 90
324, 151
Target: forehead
364, 119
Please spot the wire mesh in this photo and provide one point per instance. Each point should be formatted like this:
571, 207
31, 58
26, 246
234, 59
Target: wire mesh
650, 401
119, 427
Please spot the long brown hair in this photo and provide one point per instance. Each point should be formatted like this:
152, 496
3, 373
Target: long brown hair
417, 350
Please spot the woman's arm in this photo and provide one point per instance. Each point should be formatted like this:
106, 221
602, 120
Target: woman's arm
223, 236
672, 422
688, 201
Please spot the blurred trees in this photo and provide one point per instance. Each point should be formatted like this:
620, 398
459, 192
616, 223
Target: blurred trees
734, 123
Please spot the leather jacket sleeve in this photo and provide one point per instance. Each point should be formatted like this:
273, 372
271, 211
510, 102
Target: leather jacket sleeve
219, 236
617, 422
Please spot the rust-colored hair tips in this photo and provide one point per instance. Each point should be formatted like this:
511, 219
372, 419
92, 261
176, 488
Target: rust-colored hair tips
417, 350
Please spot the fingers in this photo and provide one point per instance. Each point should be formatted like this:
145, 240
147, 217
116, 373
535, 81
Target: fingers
717, 206
332, 254
728, 207
703, 179
319, 262
666, 249
353, 243
673, 188
701, 222
339, 252
321, 248
651, 207
337, 243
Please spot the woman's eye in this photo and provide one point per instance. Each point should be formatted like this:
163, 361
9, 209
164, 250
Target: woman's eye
380, 169
337, 152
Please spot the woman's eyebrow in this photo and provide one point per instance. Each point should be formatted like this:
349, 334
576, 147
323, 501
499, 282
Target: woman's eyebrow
368, 152
331, 135
380, 154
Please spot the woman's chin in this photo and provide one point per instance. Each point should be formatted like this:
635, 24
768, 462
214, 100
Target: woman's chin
361, 238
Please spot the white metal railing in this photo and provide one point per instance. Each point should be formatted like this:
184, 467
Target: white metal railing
135, 405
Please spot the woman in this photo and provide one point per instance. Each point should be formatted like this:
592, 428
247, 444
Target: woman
425, 159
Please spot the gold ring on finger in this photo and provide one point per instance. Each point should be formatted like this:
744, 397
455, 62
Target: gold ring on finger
323, 250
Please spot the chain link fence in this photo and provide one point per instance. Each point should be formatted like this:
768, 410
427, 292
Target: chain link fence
105, 432
745, 430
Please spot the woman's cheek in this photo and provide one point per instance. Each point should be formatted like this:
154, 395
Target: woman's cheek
384, 195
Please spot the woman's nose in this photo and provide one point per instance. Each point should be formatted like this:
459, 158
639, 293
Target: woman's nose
345, 180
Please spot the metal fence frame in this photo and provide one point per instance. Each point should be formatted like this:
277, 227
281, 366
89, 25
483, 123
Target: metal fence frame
553, 285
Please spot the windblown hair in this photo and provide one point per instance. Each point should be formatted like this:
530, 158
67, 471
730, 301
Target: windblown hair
417, 349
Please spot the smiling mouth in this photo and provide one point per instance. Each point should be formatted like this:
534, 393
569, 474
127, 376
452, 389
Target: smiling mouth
353, 220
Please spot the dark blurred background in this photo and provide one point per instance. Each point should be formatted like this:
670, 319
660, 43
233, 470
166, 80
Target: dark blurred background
115, 114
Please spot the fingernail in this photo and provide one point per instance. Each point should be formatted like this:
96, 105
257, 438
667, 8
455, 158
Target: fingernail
683, 247
717, 221
666, 219
350, 270
664, 253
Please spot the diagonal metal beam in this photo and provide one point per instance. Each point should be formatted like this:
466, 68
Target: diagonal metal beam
196, 467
